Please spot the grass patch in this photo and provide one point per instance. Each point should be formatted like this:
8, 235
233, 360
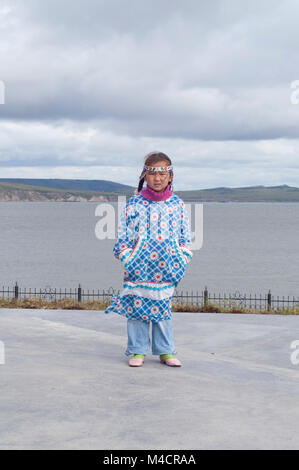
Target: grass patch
232, 307
71, 304
63, 304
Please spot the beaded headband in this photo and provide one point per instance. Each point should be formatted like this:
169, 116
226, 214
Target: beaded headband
158, 168
155, 168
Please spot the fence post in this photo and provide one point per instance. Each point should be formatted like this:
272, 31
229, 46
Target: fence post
79, 293
16, 291
206, 296
269, 300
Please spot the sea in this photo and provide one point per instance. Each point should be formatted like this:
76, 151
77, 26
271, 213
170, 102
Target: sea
243, 248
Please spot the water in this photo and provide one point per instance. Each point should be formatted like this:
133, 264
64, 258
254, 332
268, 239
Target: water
247, 247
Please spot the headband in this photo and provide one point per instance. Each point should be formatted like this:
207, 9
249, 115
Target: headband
158, 168
155, 168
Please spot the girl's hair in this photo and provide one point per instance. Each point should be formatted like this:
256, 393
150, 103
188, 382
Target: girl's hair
150, 159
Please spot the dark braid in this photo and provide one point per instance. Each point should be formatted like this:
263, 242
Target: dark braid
140, 185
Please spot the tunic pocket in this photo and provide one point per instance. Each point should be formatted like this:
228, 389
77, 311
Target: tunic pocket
136, 264
182, 256
133, 256
177, 262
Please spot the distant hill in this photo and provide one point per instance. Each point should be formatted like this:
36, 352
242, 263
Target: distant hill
26, 192
71, 184
24, 189
282, 193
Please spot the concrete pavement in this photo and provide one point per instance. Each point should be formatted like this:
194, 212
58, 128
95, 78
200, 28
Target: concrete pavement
65, 383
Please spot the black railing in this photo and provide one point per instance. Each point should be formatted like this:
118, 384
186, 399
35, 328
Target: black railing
50, 293
198, 298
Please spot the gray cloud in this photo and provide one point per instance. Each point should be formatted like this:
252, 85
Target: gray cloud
103, 82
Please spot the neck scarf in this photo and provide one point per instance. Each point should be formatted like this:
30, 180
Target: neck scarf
150, 193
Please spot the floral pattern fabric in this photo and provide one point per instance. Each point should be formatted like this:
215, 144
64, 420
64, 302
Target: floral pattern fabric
154, 247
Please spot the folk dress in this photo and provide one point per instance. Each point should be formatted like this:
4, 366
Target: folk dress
154, 247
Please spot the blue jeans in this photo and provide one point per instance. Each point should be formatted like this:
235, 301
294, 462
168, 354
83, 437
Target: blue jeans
139, 337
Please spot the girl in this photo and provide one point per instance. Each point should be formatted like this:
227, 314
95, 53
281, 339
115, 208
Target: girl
154, 247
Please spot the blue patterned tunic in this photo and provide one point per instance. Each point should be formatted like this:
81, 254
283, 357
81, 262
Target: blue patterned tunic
154, 246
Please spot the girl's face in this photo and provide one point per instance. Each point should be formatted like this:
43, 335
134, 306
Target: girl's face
158, 180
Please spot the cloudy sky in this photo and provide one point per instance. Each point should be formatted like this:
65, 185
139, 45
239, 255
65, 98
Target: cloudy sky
92, 86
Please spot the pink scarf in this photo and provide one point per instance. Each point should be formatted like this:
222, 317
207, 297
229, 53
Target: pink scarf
150, 193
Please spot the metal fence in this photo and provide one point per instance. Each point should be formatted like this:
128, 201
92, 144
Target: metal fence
198, 298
